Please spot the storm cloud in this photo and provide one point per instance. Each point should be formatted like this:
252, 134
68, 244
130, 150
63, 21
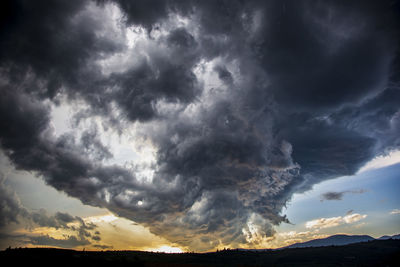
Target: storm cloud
13, 212
240, 103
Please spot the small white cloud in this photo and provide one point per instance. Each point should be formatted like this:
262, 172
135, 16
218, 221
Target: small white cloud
334, 221
352, 218
324, 222
294, 234
395, 211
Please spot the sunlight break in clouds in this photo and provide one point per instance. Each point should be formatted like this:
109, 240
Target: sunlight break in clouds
385, 160
167, 249
101, 218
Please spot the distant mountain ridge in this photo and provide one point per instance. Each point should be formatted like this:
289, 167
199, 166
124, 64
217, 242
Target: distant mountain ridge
334, 240
386, 237
339, 240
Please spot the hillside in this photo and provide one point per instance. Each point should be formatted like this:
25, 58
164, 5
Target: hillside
385, 237
334, 240
372, 253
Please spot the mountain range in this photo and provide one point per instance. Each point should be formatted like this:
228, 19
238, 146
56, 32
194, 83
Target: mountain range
340, 240
386, 237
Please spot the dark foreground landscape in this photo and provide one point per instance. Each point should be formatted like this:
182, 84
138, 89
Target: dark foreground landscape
372, 253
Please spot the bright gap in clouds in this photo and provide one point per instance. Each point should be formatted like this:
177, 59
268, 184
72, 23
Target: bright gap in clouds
389, 159
127, 149
167, 249
101, 218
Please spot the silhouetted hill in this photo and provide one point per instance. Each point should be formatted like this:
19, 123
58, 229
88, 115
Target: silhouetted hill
386, 237
373, 253
334, 240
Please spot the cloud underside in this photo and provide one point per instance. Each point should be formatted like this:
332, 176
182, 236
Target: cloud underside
244, 103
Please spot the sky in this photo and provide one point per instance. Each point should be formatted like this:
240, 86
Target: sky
197, 125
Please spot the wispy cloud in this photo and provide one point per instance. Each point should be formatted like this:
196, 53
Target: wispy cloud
68, 242
334, 221
352, 218
339, 195
349, 212
294, 234
395, 211
324, 222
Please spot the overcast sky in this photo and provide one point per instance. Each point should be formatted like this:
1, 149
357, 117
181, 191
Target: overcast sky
195, 125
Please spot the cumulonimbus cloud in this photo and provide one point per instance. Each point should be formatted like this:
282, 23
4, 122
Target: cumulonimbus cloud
244, 103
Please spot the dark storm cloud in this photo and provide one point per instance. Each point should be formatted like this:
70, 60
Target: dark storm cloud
377, 117
302, 92
12, 211
10, 207
65, 164
64, 217
59, 220
96, 238
93, 145
181, 38
341, 55
149, 13
52, 41
334, 151
69, 242
141, 87
224, 74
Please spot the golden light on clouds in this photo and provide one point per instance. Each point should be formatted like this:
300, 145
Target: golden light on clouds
334, 221
101, 218
123, 234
